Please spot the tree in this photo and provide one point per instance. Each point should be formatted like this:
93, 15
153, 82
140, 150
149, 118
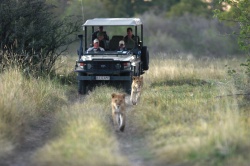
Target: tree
119, 8
32, 36
165, 6
238, 12
194, 7
128, 8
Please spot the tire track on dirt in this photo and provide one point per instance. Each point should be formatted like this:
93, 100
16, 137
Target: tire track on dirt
132, 143
34, 138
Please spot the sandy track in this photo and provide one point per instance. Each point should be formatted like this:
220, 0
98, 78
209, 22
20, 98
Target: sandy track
35, 137
131, 144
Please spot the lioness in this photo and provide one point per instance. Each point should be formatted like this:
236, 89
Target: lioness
136, 89
118, 110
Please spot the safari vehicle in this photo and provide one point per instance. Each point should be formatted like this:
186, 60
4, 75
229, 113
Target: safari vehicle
111, 65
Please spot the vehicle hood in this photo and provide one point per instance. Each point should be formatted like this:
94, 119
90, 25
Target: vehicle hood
107, 57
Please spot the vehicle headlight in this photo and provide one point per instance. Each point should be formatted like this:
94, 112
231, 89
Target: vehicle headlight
81, 65
126, 65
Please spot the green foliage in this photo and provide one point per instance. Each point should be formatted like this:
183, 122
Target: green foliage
195, 7
160, 5
238, 13
32, 35
119, 8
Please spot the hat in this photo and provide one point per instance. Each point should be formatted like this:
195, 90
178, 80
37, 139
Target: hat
100, 34
121, 42
96, 41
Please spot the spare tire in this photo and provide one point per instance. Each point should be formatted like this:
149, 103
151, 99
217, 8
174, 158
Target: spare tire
145, 58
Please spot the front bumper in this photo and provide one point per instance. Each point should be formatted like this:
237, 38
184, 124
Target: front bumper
111, 78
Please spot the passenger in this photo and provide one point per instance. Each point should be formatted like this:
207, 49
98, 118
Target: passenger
96, 46
94, 35
130, 39
102, 41
121, 46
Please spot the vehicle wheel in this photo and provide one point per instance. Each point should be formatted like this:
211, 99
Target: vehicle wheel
127, 84
82, 86
145, 58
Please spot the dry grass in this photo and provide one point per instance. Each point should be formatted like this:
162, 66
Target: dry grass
187, 114
189, 122
23, 101
86, 134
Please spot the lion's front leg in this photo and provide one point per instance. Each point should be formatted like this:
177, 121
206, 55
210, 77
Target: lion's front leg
123, 121
137, 98
115, 116
133, 98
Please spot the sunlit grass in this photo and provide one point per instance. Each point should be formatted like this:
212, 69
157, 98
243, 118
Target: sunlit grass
163, 68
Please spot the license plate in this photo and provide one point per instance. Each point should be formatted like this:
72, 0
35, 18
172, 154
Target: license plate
102, 77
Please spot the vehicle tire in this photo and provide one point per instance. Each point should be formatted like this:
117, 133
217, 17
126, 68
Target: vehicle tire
127, 84
145, 58
82, 85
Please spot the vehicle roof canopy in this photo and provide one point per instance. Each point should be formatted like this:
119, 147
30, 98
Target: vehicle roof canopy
113, 22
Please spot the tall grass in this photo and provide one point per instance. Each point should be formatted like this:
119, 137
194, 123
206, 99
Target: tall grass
187, 115
86, 134
22, 102
191, 118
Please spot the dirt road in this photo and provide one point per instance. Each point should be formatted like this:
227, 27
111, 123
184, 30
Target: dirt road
131, 144
36, 136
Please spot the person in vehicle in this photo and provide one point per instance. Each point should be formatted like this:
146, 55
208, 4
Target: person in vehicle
96, 46
100, 29
121, 46
130, 39
102, 41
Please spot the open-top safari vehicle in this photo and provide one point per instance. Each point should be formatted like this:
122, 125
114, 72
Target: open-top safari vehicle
111, 65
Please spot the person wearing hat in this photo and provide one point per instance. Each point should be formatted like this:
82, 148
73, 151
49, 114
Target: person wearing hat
102, 41
100, 29
96, 46
121, 46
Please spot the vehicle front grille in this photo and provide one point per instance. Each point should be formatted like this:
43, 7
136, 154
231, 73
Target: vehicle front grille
110, 65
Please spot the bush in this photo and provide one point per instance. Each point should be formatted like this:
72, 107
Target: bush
32, 35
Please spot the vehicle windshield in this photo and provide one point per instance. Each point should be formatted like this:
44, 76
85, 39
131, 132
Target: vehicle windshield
111, 36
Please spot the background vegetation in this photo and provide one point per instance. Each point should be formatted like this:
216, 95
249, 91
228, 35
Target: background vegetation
35, 38
32, 36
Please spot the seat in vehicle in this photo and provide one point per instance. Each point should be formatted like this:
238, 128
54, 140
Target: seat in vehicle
114, 42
